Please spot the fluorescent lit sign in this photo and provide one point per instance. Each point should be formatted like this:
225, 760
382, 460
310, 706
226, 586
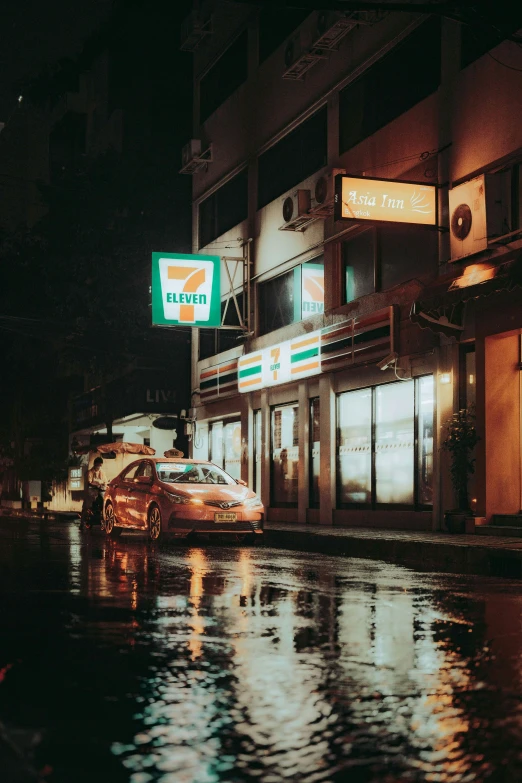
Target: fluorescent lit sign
281, 363
391, 201
186, 290
312, 290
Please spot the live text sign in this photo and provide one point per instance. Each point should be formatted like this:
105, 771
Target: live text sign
383, 200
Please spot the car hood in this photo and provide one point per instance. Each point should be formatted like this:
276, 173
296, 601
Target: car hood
230, 493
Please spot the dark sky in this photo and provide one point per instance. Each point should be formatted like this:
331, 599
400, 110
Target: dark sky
34, 32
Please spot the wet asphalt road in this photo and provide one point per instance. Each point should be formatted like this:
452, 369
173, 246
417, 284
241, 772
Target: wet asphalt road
122, 662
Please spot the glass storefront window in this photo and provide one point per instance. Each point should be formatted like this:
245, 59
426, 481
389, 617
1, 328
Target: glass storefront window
232, 450
394, 443
216, 443
201, 442
257, 452
285, 455
385, 444
425, 411
354, 454
315, 463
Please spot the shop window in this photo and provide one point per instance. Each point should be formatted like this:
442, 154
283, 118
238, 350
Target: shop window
228, 73
276, 302
406, 252
425, 411
354, 447
358, 257
385, 256
297, 156
291, 297
392, 86
200, 443
225, 446
216, 443
309, 289
232, 449
385, 445
275, 26
315, 461
394, 444
224, 209
258, 454
285, 455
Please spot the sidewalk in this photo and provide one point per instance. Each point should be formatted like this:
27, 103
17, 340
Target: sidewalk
429, 551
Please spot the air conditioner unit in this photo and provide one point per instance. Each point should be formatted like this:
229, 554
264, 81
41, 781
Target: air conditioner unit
324, 189
194, 29
296, 210
294, 50
323, 193
476, 212
190, 152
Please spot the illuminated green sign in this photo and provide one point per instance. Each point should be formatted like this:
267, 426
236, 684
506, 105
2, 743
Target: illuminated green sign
186, 290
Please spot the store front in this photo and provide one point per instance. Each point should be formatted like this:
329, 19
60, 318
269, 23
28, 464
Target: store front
320, 437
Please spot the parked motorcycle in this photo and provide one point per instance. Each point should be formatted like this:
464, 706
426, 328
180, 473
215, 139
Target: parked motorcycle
94, 515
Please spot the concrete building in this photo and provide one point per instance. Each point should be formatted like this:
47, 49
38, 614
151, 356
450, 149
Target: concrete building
357, 337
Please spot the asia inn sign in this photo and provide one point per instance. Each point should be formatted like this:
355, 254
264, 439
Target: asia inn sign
390, 201
186, 290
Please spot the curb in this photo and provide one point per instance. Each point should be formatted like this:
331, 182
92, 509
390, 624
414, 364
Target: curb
426, 555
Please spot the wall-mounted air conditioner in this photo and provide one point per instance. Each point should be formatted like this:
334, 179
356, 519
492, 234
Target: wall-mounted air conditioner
295, 210
294, 50
190, 151
194, 29
193, 157
323, 192
476, 213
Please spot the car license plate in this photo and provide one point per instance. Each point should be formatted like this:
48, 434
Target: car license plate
228, 516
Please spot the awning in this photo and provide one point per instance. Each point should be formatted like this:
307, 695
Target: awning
441, 305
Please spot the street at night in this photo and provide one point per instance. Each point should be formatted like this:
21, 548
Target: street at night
126, 661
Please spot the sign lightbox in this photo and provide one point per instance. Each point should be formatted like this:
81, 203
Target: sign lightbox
186, 290
383, 200
281, 363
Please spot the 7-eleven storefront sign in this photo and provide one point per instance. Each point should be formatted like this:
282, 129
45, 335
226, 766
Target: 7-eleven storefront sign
186, 290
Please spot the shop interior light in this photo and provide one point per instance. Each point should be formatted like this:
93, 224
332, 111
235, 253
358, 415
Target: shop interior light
471, 379
445, 377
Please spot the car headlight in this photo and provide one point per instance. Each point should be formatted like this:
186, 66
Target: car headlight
254, 502
178, 498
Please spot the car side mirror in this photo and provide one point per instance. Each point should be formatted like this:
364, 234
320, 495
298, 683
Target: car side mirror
144, 480
240, 481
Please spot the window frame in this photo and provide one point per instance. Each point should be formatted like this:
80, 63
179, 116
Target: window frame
373, 505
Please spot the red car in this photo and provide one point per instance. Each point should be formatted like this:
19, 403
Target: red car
180, 497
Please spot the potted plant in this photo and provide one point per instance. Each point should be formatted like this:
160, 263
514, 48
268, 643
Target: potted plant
460, 441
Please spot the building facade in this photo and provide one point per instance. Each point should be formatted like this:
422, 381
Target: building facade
356, 338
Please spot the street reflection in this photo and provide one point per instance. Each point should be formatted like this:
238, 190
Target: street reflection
228, 664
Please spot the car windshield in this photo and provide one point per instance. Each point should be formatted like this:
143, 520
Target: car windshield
186, 473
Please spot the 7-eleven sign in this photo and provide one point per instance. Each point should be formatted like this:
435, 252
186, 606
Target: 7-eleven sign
186, 290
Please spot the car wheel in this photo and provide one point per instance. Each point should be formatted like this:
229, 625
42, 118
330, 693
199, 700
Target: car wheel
154, 523
109, 526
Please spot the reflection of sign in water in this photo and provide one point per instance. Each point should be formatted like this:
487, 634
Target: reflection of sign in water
393, 201
312, 290
185, 289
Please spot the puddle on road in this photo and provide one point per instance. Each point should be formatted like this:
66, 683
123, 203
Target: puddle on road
203, 665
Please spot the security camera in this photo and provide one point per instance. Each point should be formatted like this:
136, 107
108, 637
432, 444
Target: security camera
388, 361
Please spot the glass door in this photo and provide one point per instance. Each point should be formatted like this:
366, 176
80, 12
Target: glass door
257, 452
285, 455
